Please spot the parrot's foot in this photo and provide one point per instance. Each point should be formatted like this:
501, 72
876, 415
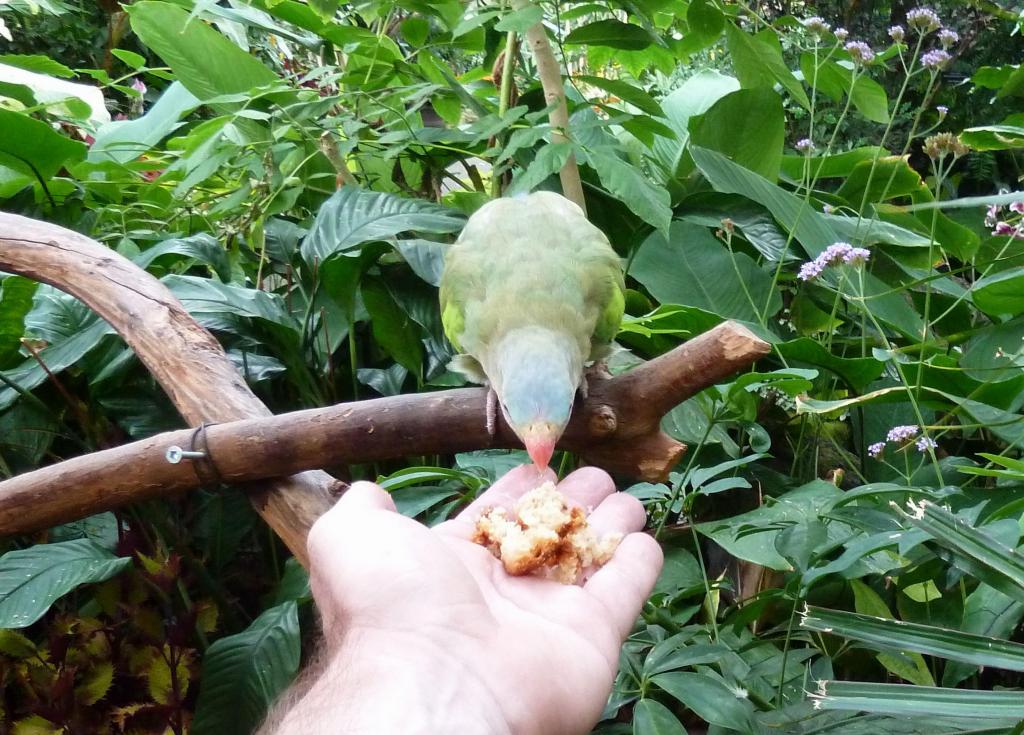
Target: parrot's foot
492, 412
598, 370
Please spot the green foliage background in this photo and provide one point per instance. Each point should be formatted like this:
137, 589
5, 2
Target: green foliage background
292, 172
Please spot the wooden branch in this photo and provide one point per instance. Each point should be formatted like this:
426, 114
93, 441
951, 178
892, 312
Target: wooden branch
554, 93
183, 357
617, 427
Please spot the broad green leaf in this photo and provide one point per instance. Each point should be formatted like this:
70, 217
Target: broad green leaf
651, 717
15, 302
708, 698
548, 161
705, 19
612, 33
425, 257
393, 328
991, 354
748, 127
33, 148
994, 137
203, 60
126, 140
758, 62
696, 95
1000, 293
909, 667
692, 268
520, 20
887, 177
202, 247
627, 183
625, 91
38, 63
32, 579
910, 700
858, 372
831, 166
244, 673
989, 614
353, 216
207, 296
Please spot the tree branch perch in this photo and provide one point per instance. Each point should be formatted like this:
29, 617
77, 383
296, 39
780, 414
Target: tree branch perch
617, 427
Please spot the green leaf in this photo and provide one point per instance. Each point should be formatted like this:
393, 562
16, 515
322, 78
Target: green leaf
831, 166
626, 92
1000, 293
611, 33
987, 613
692, 268
34, 148
627, 183
520, 20
858, 372
994, 137
15, 302
425, 257
708, 698
32, 579
203, 60
651, 717
393, 329
896, 635
38, 63
910, 700
126, 140
353, 216
910, 667
202, 247
748, 127
244, 673
758, 62
705, 19
326, 9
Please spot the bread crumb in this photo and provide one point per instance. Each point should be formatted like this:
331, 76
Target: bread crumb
546, 536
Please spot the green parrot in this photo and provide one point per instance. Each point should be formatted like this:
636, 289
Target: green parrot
531, 291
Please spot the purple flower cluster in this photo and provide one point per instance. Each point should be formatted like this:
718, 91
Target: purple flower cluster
901, 434
1005, 228
816, 25
838, 253
841, 34
942, 110
935, 59
805, 145
923, 20
860, 52
897, 34
948, 37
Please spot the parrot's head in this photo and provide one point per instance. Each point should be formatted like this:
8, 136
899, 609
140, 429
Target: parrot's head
536, 375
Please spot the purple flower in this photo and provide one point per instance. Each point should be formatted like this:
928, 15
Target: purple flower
1017, 207
827, 208
897, 34
856, 256
1005, 228
947, 37
992, 215
838, 253
925, 443
860, 52
923, 20
139, 86
942, 110
811, 270
900, 434
805, 145
876, 449
816, 25
935, 59
841, 34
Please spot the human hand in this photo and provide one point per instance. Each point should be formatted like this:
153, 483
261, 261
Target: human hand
425, 632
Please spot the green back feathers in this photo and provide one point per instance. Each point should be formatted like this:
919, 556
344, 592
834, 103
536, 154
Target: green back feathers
532, 260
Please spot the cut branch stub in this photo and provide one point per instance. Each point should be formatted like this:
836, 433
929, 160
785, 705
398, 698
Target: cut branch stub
617, 427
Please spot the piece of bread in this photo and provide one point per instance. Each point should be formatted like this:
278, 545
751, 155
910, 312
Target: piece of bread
546, 536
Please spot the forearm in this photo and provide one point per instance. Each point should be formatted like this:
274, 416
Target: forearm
398, 686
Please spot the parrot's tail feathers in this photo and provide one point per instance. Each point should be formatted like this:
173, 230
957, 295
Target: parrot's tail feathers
469, 367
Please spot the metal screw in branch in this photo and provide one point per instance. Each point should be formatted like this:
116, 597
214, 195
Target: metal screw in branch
175, 454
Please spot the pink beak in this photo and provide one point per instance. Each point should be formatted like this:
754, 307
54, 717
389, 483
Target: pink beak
540, 439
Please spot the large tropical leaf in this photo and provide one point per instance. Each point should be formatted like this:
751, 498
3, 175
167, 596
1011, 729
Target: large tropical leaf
32, 579
242, 674
353, 216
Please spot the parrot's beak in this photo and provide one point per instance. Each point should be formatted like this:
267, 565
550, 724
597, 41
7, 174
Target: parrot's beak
540, 438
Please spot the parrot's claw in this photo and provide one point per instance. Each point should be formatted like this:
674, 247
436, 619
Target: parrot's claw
492, 412
596, 371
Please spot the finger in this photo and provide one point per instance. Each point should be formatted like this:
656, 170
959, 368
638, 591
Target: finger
503, 494
618, 513
365, 496
587, 487
624, 583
